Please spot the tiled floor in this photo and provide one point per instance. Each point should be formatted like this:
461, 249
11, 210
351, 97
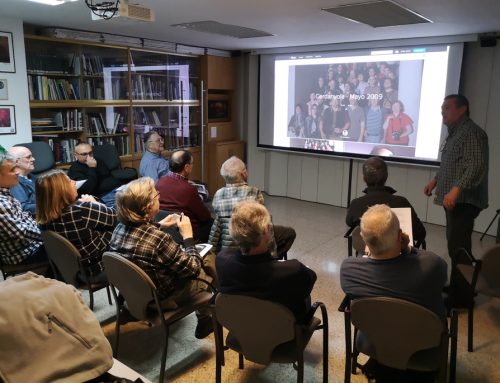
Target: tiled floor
321, 246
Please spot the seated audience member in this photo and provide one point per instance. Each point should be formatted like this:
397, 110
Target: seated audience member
87, 224
392, 268
253, 271
178, 195
375, 175
235, 174
24, 191
138, 238
153, 164
99, 181
20, 240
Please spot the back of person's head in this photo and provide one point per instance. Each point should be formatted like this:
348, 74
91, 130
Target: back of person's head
232, 170
375, 171
179, 159
133, 201
249, 222
460, 101
379, 229
54, 192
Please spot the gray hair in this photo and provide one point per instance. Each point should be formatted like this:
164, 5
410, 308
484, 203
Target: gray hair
249, 221
6, 157
379, 228
231, 170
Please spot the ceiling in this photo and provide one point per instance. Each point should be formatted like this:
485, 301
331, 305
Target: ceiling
292, 22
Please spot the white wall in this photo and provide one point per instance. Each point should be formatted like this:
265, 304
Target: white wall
325, 180
17, 86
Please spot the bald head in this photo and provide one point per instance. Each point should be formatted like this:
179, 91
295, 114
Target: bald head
380, 231
181, 162
25, 162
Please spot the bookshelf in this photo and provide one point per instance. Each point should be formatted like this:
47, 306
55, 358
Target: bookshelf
97, 93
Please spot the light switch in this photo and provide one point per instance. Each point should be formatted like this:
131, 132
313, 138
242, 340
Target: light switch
213, 132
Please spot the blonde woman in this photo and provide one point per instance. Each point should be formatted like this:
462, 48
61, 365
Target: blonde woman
87, 224
138, 238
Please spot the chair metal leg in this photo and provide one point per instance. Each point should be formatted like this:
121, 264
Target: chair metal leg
453, 347
164, 357
109, 295
117, 333
488, 228
300, 368
91, 294
325, 343
355, 353
348, 348
470, 326
240, 362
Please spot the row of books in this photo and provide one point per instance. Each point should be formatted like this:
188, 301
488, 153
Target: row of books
73, 63
45, 88
64, 150
98, 125
160, 88
121, 143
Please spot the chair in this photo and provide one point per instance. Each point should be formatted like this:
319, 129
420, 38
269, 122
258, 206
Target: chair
11, 270
398, 334
139, 292
264, 332
44, 156
65, 259
483, 277
108, 154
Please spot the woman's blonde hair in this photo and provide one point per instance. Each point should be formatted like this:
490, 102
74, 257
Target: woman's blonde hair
133, 201
249, 221
53, 194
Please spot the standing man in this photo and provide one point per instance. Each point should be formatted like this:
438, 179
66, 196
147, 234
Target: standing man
24, 191
178, 195
153, 164
461, 185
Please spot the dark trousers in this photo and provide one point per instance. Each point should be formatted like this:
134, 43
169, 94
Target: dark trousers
284, 237
459, 226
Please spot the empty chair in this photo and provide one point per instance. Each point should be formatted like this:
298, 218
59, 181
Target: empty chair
65, 259
108, 154
483, 276
264, 332
399, 334
139, 293
44, 157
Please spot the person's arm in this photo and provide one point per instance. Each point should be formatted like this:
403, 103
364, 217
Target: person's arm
98, 216
215, 233
362, 133
20, 193
19, 225
79, 172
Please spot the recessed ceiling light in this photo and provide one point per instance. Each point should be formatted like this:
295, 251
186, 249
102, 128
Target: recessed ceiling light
53, 2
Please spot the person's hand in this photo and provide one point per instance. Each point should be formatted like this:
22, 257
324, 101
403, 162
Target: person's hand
184, 225
450, 199
430, 187
91, 162
87, 198
169, 221
405, 241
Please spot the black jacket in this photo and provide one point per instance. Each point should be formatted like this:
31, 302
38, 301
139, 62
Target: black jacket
383, 195
99, 179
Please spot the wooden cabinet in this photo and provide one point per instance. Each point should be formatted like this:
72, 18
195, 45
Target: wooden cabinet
218, 152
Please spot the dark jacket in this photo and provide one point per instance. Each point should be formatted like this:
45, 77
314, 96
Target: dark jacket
261, 276
383, 195
99, 179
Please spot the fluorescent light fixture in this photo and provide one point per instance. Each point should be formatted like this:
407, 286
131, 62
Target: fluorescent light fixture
53, 2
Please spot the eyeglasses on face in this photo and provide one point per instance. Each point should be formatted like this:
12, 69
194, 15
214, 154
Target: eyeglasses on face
85, 154
30, 157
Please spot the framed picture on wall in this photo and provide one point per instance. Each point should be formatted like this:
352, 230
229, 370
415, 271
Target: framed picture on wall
7, 119
6, 53
4, 91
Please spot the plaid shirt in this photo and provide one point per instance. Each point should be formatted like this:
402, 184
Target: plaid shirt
87, 225
225, 199
157, 254
19, 233
464, 163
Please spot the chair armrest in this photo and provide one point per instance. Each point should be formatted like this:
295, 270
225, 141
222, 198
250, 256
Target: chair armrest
350, 230
212, 288
314, 308
345, 305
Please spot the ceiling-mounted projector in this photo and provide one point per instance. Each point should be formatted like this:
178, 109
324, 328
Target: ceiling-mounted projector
130, 12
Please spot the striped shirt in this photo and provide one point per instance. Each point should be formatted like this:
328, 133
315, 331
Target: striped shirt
155, 252
19, 234
464, 163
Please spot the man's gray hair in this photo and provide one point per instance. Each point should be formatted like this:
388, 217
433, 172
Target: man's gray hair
379, 228
6, 157
231, 170
249, 221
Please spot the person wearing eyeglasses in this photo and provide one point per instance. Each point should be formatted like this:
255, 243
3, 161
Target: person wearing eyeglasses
153, 164
99, 180
24, 191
